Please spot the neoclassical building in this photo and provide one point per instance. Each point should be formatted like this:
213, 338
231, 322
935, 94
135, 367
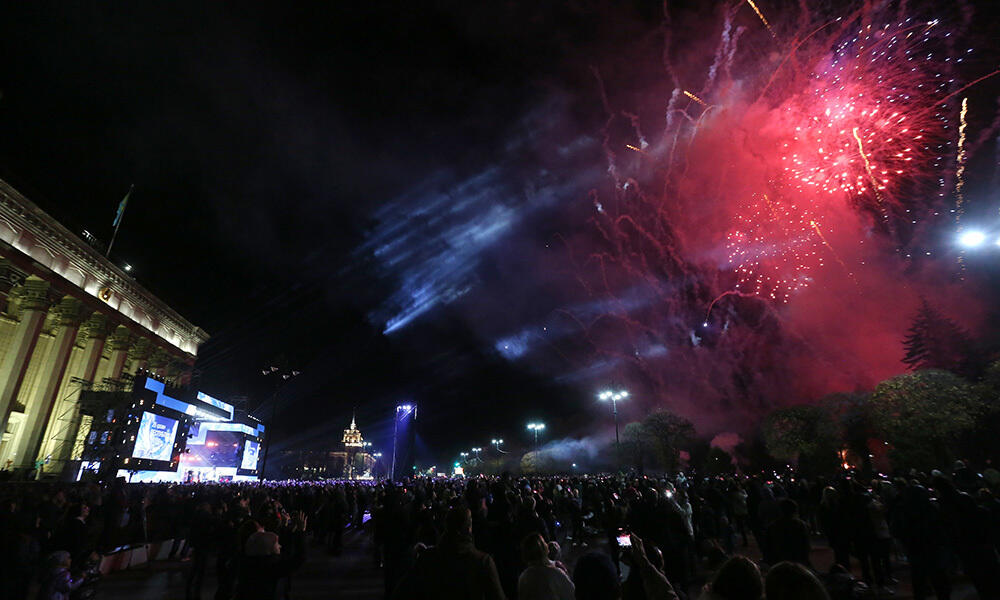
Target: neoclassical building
71, 320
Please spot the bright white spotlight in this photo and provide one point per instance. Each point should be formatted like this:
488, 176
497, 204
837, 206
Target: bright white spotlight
972, 239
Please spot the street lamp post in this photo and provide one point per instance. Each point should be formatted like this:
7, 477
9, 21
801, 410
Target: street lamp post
366, 448
497, 442
400, 408
284, 375
614, 396
477, 450
376, 456
535, 428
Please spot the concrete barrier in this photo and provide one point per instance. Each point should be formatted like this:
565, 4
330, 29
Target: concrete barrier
138, 557
115, 562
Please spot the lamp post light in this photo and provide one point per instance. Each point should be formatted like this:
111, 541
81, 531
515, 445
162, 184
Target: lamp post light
464, 455
477, 450
614, 396
366, 448
405, 409
535, 428
376, 456
497, 443
282, 376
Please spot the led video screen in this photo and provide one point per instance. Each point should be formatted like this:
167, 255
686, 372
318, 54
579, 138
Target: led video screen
213, 445
155, 438
250, 453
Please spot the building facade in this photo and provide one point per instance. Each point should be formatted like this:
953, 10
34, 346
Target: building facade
354, 461
71, 320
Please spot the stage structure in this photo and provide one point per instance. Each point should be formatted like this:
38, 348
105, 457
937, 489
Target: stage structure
71, 320
156, 433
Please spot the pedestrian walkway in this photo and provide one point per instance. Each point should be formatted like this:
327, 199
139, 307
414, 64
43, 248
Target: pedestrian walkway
350, 576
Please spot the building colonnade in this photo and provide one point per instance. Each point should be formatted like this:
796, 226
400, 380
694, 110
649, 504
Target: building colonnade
53, 345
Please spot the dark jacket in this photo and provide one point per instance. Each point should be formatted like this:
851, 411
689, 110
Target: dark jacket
452, 570
788, 539
259, 575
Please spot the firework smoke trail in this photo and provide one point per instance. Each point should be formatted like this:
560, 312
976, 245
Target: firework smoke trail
960, 171
762, 19
960, 176
836, 256
695, 98
876, 185
711, 305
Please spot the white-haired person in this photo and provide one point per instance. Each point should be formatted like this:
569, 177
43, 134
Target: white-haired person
57, 581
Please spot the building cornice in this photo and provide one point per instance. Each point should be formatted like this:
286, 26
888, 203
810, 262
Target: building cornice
28, 229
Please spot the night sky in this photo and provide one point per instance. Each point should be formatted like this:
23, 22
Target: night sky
398, 200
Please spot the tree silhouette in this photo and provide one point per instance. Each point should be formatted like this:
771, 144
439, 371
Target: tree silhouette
936, 342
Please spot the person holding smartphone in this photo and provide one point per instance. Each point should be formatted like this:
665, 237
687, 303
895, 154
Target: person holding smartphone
653, 580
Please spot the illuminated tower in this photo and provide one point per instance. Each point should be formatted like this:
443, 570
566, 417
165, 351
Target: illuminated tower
353, 442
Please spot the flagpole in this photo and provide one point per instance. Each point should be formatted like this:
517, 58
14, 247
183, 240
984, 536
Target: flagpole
119, 222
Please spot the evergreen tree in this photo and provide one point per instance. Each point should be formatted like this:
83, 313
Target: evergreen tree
936, 342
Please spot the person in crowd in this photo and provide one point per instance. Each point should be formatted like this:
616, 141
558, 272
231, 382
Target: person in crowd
203, 540
74, 535
264, 564
787, 536
969, 524
737, 579
685, 527
595, 577
832, 519
921, 530
541, 578
453, 569
737, 497
58, 582
555, 555
793, 581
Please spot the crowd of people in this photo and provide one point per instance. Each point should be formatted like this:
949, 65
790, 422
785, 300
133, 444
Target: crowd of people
580, 537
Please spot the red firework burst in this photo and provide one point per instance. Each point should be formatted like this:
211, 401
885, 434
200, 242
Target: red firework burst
871, 124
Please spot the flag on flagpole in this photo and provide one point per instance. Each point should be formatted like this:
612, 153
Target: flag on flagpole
121, 207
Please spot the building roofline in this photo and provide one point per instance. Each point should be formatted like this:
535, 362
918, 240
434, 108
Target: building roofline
35, 233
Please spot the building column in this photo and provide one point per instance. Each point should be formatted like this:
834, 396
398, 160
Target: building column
51, 373
120, 341
140, 354
96, 330
158, 363
34, 306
